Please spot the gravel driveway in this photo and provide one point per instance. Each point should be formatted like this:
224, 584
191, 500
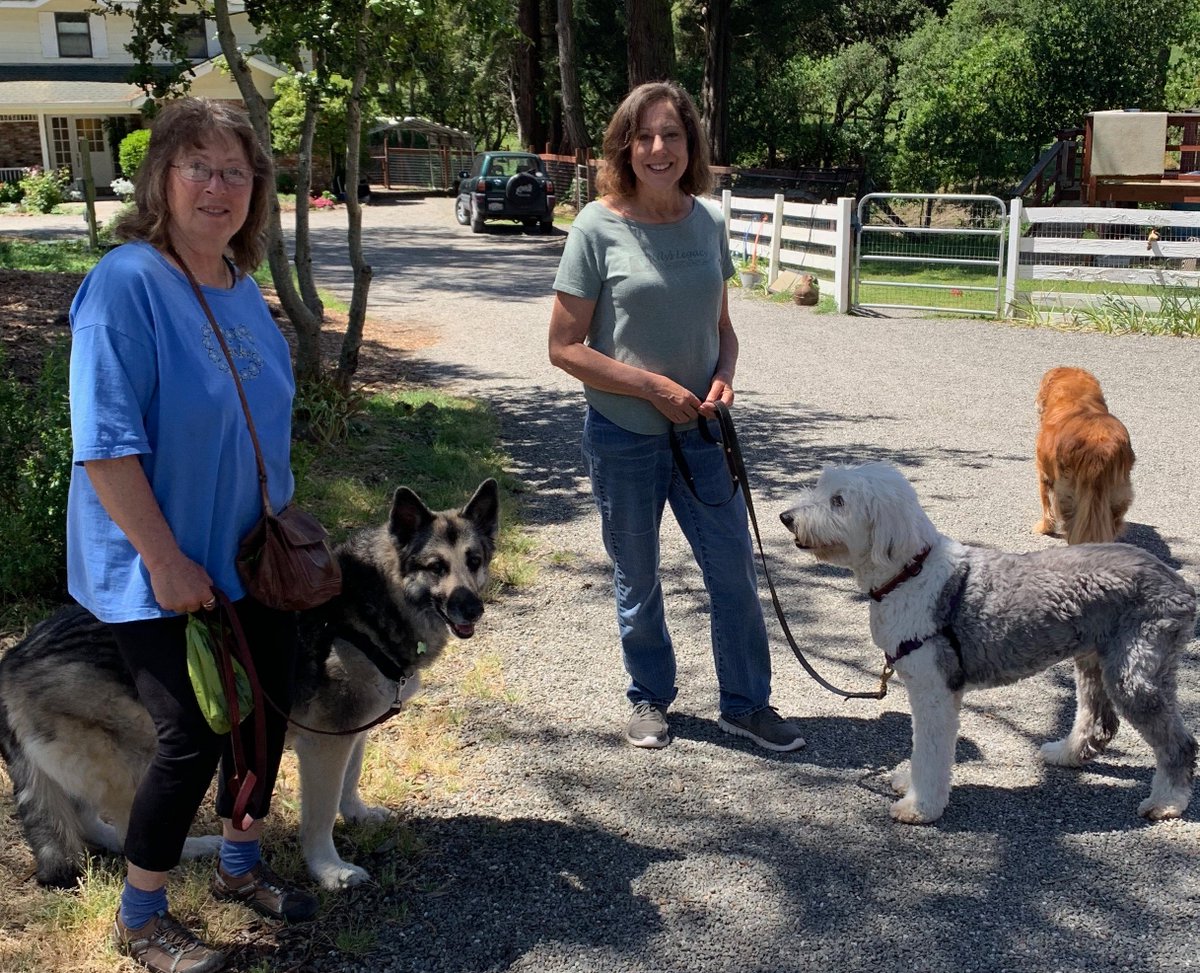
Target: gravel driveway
568, 850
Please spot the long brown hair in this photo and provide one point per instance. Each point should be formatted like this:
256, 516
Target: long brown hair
191, 123
616, 176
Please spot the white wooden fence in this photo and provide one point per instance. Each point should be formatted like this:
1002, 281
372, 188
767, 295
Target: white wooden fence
1064, 244
815, 238
1088, 245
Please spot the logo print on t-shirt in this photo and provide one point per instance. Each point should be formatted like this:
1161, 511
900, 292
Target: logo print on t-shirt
241, 346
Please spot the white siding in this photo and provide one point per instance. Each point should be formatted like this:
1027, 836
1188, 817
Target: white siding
49, 35
99, 36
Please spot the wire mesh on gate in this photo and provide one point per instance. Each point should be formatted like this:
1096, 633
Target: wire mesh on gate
930, 252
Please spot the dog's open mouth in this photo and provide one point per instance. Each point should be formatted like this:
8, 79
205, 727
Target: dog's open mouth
463, 631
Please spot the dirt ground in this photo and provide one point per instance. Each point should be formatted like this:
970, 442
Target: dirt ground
33, 319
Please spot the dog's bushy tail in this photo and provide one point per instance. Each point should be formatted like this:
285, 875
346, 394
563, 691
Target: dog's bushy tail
50, 819
1092, 490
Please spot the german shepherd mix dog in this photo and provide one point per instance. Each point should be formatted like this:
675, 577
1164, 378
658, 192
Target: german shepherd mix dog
76, 739
1083, 460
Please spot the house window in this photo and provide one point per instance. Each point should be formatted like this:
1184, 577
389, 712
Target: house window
191, 29
90, 132
74, 35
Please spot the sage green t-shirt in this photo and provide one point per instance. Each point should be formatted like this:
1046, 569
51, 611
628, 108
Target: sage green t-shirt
658, 290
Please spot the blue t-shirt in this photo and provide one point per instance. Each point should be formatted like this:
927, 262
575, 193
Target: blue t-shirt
149, 379
658, 289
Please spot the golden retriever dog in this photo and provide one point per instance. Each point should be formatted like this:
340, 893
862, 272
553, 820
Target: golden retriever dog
1083, 460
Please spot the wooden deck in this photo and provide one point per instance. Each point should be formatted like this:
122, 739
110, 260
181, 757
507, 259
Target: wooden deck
1182, 186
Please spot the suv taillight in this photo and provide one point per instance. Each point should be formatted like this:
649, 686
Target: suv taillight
549, 188
481, 186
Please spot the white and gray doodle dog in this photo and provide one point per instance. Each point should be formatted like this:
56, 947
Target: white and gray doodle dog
952, 618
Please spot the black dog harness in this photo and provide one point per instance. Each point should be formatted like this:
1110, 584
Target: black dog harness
947, 629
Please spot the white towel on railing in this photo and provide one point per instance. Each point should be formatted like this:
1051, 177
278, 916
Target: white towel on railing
1128, 143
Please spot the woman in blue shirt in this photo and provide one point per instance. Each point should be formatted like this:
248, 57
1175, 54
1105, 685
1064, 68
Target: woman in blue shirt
165, 485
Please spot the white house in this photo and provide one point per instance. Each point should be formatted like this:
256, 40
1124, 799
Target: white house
65, 82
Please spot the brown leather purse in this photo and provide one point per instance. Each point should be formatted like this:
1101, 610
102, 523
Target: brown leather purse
285, 561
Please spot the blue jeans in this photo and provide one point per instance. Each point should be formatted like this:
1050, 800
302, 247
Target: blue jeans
633, 478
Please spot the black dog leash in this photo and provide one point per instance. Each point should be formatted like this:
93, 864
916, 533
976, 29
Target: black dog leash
737, 470
236, 647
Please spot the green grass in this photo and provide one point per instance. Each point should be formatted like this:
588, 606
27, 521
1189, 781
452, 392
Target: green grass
953, 295
330, 300
73, 256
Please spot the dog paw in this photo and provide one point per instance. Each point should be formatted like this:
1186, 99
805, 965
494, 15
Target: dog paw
1063, 753
901, 779
365, 814
1162, 810
339, 875
1046, 527
908, 811
206, 846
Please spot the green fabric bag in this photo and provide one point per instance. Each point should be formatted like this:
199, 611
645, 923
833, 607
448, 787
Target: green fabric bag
206, 677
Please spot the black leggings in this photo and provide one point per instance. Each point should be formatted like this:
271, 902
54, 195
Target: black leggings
174, 784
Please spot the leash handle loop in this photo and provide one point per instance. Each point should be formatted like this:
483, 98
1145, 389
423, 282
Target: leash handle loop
737, 469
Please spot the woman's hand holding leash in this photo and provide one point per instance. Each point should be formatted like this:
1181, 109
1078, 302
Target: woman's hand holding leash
720, 391
673, 400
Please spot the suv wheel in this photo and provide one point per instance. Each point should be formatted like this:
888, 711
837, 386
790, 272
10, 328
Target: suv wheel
461, 213
476, 222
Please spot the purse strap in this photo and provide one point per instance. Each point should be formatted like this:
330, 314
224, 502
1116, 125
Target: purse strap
237, 380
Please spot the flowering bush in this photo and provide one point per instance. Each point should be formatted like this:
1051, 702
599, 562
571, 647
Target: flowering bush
44, 190
324, 201
122, 187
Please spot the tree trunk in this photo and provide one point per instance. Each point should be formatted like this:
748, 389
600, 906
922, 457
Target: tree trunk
352, 341
527, 73
651, 41
714, 92
574, 128
303, 254
307, 324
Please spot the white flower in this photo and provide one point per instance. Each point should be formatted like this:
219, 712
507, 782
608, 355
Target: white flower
122, 187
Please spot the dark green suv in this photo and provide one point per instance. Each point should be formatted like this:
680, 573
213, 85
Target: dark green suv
506, 186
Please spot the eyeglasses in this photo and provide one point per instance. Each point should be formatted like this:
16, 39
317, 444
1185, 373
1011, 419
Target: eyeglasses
233, 176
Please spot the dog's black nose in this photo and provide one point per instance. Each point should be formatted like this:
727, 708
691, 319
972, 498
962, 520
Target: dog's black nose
786, 517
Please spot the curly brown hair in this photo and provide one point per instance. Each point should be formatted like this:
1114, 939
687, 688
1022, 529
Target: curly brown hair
191, 123
616, 176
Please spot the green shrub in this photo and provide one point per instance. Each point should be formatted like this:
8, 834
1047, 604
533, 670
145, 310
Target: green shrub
35, 472
285, 182
132, 151
42, 190
11, 192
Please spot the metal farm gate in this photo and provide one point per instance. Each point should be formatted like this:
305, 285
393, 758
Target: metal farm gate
929, 252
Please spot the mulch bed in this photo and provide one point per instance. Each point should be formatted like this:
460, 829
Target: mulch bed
33, 319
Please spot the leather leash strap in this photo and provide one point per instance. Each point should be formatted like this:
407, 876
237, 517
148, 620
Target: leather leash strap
244, 777
244, 782
737, 469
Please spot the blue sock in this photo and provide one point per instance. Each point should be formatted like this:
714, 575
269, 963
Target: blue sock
138, 906
238, 857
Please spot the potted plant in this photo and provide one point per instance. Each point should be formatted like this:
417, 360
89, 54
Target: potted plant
749, 274
748, 271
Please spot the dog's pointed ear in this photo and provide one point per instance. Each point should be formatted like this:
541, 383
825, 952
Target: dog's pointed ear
409, 515
483, 509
